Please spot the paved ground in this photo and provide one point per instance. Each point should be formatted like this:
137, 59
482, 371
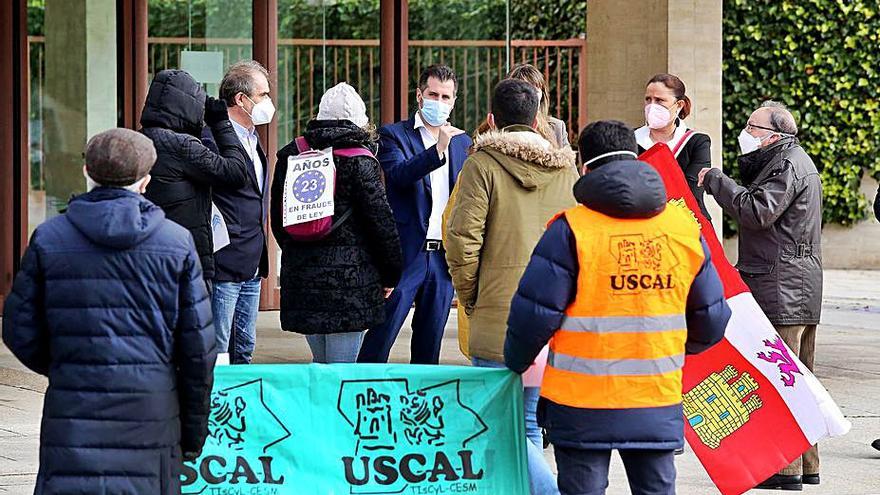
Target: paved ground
848, 363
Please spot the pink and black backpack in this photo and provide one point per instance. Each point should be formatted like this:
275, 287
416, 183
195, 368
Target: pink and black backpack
318, 229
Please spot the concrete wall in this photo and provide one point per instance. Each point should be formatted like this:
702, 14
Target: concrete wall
843, 247
628, 42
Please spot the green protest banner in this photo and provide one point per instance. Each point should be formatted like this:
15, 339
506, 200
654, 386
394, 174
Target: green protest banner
362, 429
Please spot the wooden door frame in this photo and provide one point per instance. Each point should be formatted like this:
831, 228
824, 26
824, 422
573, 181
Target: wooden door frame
13, 141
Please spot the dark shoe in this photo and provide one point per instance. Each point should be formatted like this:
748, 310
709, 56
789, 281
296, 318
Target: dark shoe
782, 482
811, 479
876, 444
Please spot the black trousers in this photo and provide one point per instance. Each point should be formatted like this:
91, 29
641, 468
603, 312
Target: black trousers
585, 472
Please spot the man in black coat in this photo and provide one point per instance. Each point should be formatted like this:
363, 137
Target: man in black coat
186, 170
779, 211
110, 305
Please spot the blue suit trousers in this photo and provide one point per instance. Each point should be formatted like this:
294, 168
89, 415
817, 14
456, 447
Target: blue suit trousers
425, 282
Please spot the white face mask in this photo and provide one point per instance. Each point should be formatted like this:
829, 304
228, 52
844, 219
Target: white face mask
657, 116
610, 153
262, 112
435, 112
749, 143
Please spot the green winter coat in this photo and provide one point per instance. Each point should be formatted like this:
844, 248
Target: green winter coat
509, 188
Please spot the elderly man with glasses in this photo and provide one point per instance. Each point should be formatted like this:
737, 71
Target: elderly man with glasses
779, 211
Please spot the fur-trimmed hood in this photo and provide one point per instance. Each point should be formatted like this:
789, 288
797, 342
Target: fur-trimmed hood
525, 155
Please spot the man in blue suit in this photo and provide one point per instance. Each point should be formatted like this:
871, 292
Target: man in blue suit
421, 158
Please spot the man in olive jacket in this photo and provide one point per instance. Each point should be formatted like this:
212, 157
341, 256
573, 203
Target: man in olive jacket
509, 188
779, 211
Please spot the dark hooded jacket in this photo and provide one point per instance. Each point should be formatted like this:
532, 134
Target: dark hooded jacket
779, 212
335, 284
624, 189
185, 169
110, 305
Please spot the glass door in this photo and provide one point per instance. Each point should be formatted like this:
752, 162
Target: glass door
472, 37
322, 43
202, 37
71, 51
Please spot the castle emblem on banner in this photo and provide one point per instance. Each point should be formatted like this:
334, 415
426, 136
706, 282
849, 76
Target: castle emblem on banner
716, 408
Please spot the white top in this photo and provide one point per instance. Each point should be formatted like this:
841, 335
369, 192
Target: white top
439, 185
643, 137
249, 141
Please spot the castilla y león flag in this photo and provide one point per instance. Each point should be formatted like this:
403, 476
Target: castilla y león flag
751, 407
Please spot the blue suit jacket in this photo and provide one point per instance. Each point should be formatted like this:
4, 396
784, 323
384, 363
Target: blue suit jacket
407, 165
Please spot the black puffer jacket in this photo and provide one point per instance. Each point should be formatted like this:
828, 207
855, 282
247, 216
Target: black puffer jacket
111, 306
779, 211
185, 169
877, 205
335, 284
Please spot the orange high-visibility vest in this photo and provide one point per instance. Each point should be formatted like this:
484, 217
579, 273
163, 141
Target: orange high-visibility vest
622, 342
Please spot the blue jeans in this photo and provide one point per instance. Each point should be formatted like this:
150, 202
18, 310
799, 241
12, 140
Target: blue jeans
541, 479
236, 305
335, 347
585, 472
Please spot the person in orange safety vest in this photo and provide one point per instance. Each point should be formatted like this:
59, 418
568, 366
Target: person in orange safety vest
622, 287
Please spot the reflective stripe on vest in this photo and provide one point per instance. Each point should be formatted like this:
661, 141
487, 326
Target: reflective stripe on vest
616, 367
622, 342
623, 324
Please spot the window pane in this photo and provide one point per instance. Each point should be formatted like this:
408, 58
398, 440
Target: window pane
471, 37
552, 37
203, 37
322, 43
73, 95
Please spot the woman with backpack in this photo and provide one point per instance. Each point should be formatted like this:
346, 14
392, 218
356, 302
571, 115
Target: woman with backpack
336, 272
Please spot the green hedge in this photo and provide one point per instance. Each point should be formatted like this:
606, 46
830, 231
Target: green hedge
822, 59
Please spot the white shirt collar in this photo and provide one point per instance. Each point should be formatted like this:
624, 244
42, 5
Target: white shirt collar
643, 136
418, 121
242, 131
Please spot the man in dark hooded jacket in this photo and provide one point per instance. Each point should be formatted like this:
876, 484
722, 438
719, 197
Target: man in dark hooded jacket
622, 286
186, 170
110, 305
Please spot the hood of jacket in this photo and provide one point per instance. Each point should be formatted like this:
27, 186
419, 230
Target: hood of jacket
529, 158
114, 218
752, 164
623, 189
343, 133
175, 102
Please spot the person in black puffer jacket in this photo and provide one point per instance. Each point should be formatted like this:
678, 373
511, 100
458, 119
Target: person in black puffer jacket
332, 288
110, 305
186, 170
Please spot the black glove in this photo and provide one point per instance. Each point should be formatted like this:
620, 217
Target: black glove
215, 111
191, 456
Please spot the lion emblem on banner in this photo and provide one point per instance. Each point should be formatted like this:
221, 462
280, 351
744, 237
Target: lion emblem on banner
227, 423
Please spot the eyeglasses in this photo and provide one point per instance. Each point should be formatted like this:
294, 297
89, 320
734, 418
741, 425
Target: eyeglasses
750, 126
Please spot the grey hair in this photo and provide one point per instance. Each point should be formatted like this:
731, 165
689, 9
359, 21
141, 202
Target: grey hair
239, 78
781, 118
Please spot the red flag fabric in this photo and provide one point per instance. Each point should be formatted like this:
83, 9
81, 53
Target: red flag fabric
751, 407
